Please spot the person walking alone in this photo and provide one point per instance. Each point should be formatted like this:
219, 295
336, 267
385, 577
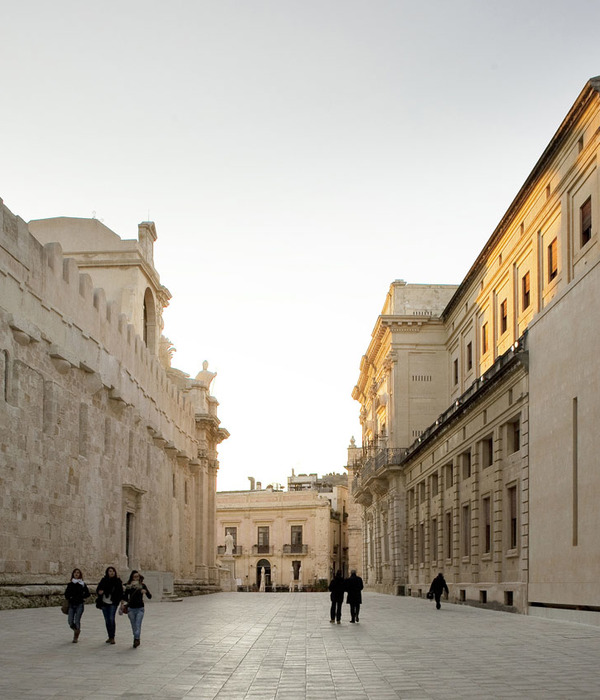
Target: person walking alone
354, 586
337, 588
76, 592
133, 595
438, 586
110, 593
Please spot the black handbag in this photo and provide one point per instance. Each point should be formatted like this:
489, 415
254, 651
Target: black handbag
65, 607
429, 595
99, 603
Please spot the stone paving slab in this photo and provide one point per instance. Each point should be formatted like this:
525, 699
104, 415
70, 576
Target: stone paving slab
238, 646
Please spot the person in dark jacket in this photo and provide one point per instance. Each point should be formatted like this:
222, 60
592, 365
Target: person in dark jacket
337, 588
110, 594
438, 586
133, 595
354, 586
76, 592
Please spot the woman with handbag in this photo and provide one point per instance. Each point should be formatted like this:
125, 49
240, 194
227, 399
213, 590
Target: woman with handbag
110, 594
75, 593
133, 595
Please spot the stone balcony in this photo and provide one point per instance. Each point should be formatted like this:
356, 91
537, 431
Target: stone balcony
295, 549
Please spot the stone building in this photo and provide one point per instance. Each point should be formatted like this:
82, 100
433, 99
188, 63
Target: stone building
479, 406
293, 538
108, 455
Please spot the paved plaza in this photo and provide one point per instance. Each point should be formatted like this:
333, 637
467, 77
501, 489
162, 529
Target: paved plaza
231, 646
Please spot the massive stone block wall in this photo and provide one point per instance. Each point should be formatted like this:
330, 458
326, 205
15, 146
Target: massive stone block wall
104, 460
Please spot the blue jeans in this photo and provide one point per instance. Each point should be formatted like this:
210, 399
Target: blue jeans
136, 615
75, 613
109, 612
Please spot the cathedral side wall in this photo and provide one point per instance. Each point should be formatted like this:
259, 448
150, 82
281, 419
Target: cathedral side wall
97, 447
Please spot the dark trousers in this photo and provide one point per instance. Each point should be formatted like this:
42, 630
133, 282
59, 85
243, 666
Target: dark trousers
354, 610
336, 609
437, 600
109, 612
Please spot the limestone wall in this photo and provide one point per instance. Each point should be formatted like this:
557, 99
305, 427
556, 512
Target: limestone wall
103, 459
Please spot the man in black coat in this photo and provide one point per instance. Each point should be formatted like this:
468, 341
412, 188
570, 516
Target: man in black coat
438, 586
337, 588
354, 586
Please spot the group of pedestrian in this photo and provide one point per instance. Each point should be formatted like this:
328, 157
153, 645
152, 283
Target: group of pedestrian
352, 586
112, 596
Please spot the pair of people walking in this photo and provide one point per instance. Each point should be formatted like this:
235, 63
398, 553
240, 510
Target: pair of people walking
353, 587
111, 595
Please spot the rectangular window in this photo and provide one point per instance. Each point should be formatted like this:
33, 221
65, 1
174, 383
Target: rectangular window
448, 476
455, 372
466, 464
487, 452
411, 546
484, 338
552, 260
263, 540
486, 507
525, 291
434, 485
411, 498
448, 535
466, 530
469, 356
434, 540
586, 221
296, 535
421, 543
512, 517
503, 317
513, 436
422, 492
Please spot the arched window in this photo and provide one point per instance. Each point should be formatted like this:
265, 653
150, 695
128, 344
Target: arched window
150, 324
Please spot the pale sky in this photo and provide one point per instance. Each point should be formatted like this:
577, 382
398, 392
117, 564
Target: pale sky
296, 157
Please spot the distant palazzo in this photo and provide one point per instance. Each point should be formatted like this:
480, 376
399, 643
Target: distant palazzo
108, 455
479, 447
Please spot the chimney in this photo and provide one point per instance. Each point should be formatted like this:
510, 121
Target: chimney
251, 480
258, 485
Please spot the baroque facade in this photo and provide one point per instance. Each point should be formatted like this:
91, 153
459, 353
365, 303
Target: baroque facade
478, 406
108, 455
284, 539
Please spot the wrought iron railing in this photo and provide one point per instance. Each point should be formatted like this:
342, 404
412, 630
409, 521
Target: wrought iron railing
262, 549
295, 549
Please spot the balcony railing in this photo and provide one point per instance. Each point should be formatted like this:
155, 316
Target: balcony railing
295, 549
262, 549
237, 551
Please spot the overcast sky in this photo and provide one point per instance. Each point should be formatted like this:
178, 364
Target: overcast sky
296, 157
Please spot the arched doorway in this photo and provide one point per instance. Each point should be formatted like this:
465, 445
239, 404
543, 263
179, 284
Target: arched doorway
266, 567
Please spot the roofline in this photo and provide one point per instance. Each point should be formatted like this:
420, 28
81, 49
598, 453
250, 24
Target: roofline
589, 92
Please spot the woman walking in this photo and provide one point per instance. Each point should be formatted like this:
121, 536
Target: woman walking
135, 590
110, 594
76, 592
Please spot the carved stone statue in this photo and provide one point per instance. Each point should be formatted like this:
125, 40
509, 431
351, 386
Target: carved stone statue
205, 377
228, 544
